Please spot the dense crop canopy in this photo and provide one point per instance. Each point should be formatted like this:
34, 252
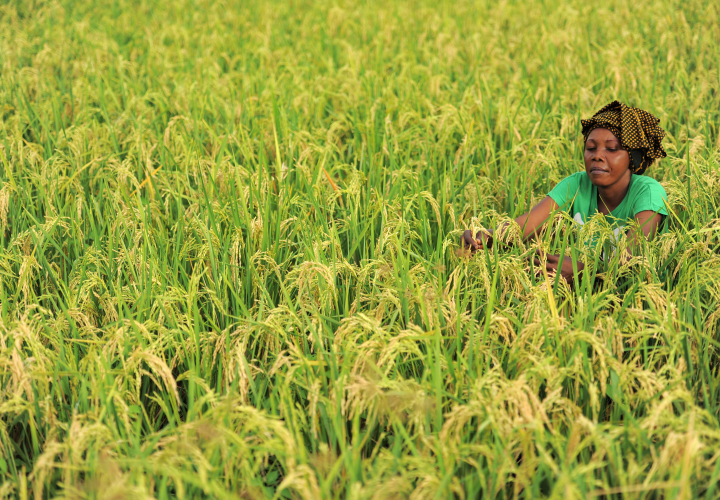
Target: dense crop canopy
228, 260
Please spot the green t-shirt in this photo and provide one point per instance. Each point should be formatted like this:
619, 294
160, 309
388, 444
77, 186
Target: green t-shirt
578, 196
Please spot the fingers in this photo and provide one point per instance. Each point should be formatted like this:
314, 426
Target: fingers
468, 242
549, 266
546, 257
485, 238
553, 267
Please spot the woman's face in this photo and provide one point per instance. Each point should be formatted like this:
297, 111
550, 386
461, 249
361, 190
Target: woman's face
605, 160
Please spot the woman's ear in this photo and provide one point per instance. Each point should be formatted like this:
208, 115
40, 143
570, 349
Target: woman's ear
636, 158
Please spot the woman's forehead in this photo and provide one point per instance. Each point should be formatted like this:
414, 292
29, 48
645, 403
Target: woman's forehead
602, 134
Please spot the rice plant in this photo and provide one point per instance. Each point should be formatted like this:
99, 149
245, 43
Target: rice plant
229, 261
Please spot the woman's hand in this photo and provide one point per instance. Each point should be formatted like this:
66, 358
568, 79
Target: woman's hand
530, 223
481, 240
565, 269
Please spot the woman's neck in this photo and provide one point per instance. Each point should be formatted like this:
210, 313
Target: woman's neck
611, 196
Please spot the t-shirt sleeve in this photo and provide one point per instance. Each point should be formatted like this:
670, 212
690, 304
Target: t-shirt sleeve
651, 196
564, 193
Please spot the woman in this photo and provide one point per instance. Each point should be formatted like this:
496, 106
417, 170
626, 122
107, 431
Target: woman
621, 142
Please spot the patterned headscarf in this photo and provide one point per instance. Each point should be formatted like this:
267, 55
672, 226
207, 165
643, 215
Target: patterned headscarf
639, 132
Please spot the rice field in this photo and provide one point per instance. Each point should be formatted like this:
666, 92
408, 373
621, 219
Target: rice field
229, 265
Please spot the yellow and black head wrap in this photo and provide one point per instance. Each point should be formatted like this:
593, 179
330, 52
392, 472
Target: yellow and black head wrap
639, 132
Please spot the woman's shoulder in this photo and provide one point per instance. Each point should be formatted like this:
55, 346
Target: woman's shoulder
647, 194
647, 184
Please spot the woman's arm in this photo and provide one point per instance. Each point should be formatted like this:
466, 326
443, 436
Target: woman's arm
530, 223
648, 223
